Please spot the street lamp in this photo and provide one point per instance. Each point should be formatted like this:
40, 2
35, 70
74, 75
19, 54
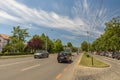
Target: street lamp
46, 42
88, 39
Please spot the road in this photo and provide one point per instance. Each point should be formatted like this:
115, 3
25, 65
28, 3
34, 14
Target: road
109, 73
33, 69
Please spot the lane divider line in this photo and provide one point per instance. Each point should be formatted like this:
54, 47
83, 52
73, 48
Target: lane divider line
65, 69
58, 76
3, 65
30, 67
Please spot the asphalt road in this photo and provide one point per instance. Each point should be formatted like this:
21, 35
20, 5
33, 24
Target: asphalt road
33, 69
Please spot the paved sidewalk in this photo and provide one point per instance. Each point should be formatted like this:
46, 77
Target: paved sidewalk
87, 73
90, 73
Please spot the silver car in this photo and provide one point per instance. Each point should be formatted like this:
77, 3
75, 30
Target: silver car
41, 54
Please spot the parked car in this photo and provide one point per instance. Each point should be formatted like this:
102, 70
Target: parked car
107, 54
116, 55
102, 54
64, 57
41, 54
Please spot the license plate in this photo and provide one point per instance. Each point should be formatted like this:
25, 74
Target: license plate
62, 57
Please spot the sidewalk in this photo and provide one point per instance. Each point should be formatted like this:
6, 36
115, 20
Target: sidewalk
69, 75
88, 73
91, 73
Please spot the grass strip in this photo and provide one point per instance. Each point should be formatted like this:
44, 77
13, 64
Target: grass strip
90, 61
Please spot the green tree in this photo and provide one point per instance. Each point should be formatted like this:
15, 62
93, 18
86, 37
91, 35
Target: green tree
43, 38
110, 39
69, 44
84, 46
58, 46
18, 38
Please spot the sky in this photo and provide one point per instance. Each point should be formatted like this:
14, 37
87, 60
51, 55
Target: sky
72, 21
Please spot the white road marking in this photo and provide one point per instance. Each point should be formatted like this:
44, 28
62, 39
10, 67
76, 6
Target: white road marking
30, 67
15, 63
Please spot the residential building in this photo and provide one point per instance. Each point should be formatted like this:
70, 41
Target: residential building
3, 40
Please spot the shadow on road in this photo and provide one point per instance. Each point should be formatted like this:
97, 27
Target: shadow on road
65, 62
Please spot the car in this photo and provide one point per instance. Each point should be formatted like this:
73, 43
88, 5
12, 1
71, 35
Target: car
117, 55
64, 57
41, 54
102, 54
114, 55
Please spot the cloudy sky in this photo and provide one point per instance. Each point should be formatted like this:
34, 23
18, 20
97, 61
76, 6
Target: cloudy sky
68, 20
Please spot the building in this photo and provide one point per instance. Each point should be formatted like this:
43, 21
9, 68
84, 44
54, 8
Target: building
3, 40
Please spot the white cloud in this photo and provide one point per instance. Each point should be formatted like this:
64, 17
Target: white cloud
92, 15
20, 13
5, 16
69, 37
85, 5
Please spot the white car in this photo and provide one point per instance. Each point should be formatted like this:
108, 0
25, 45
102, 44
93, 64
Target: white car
41, 54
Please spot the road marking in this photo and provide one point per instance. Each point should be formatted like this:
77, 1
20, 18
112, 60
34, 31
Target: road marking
30, 67
65, 69
58, 76
14, 63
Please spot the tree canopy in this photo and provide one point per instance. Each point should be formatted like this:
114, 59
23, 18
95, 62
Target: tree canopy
110, 40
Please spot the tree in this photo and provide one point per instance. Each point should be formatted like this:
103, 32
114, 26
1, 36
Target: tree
69, 44
18, 38
110, 39
84, 46
58, 46
50, 45
43, 38
34, 44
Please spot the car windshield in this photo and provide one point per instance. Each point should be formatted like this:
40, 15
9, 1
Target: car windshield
41, 51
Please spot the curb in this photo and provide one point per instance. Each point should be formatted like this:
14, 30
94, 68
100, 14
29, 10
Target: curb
75, 68
69, 74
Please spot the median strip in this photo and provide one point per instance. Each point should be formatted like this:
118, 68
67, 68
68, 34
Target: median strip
30, 67
90, 61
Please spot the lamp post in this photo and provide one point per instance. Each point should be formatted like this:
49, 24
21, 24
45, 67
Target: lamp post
46, 42
88, 39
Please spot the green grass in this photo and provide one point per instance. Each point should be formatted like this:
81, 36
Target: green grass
87, 60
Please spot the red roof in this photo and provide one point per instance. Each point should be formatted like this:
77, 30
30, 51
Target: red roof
4, 36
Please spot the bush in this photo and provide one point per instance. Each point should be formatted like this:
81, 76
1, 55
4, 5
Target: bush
16, 53
87, 55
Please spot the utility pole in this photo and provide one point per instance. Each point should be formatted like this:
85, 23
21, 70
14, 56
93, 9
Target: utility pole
46, 42
88, 39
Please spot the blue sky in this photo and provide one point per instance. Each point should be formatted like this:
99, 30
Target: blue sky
68, 20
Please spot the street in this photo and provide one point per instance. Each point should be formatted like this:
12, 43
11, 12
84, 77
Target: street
109, 73
33, 69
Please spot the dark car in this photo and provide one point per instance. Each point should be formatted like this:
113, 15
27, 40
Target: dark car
41, 54
64, 57
116, 55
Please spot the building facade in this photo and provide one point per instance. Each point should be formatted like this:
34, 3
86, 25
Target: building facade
3, 40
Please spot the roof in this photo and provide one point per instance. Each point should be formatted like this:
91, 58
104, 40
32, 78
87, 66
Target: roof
4, 36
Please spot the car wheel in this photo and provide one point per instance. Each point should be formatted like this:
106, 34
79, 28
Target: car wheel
118, 58
35, 57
